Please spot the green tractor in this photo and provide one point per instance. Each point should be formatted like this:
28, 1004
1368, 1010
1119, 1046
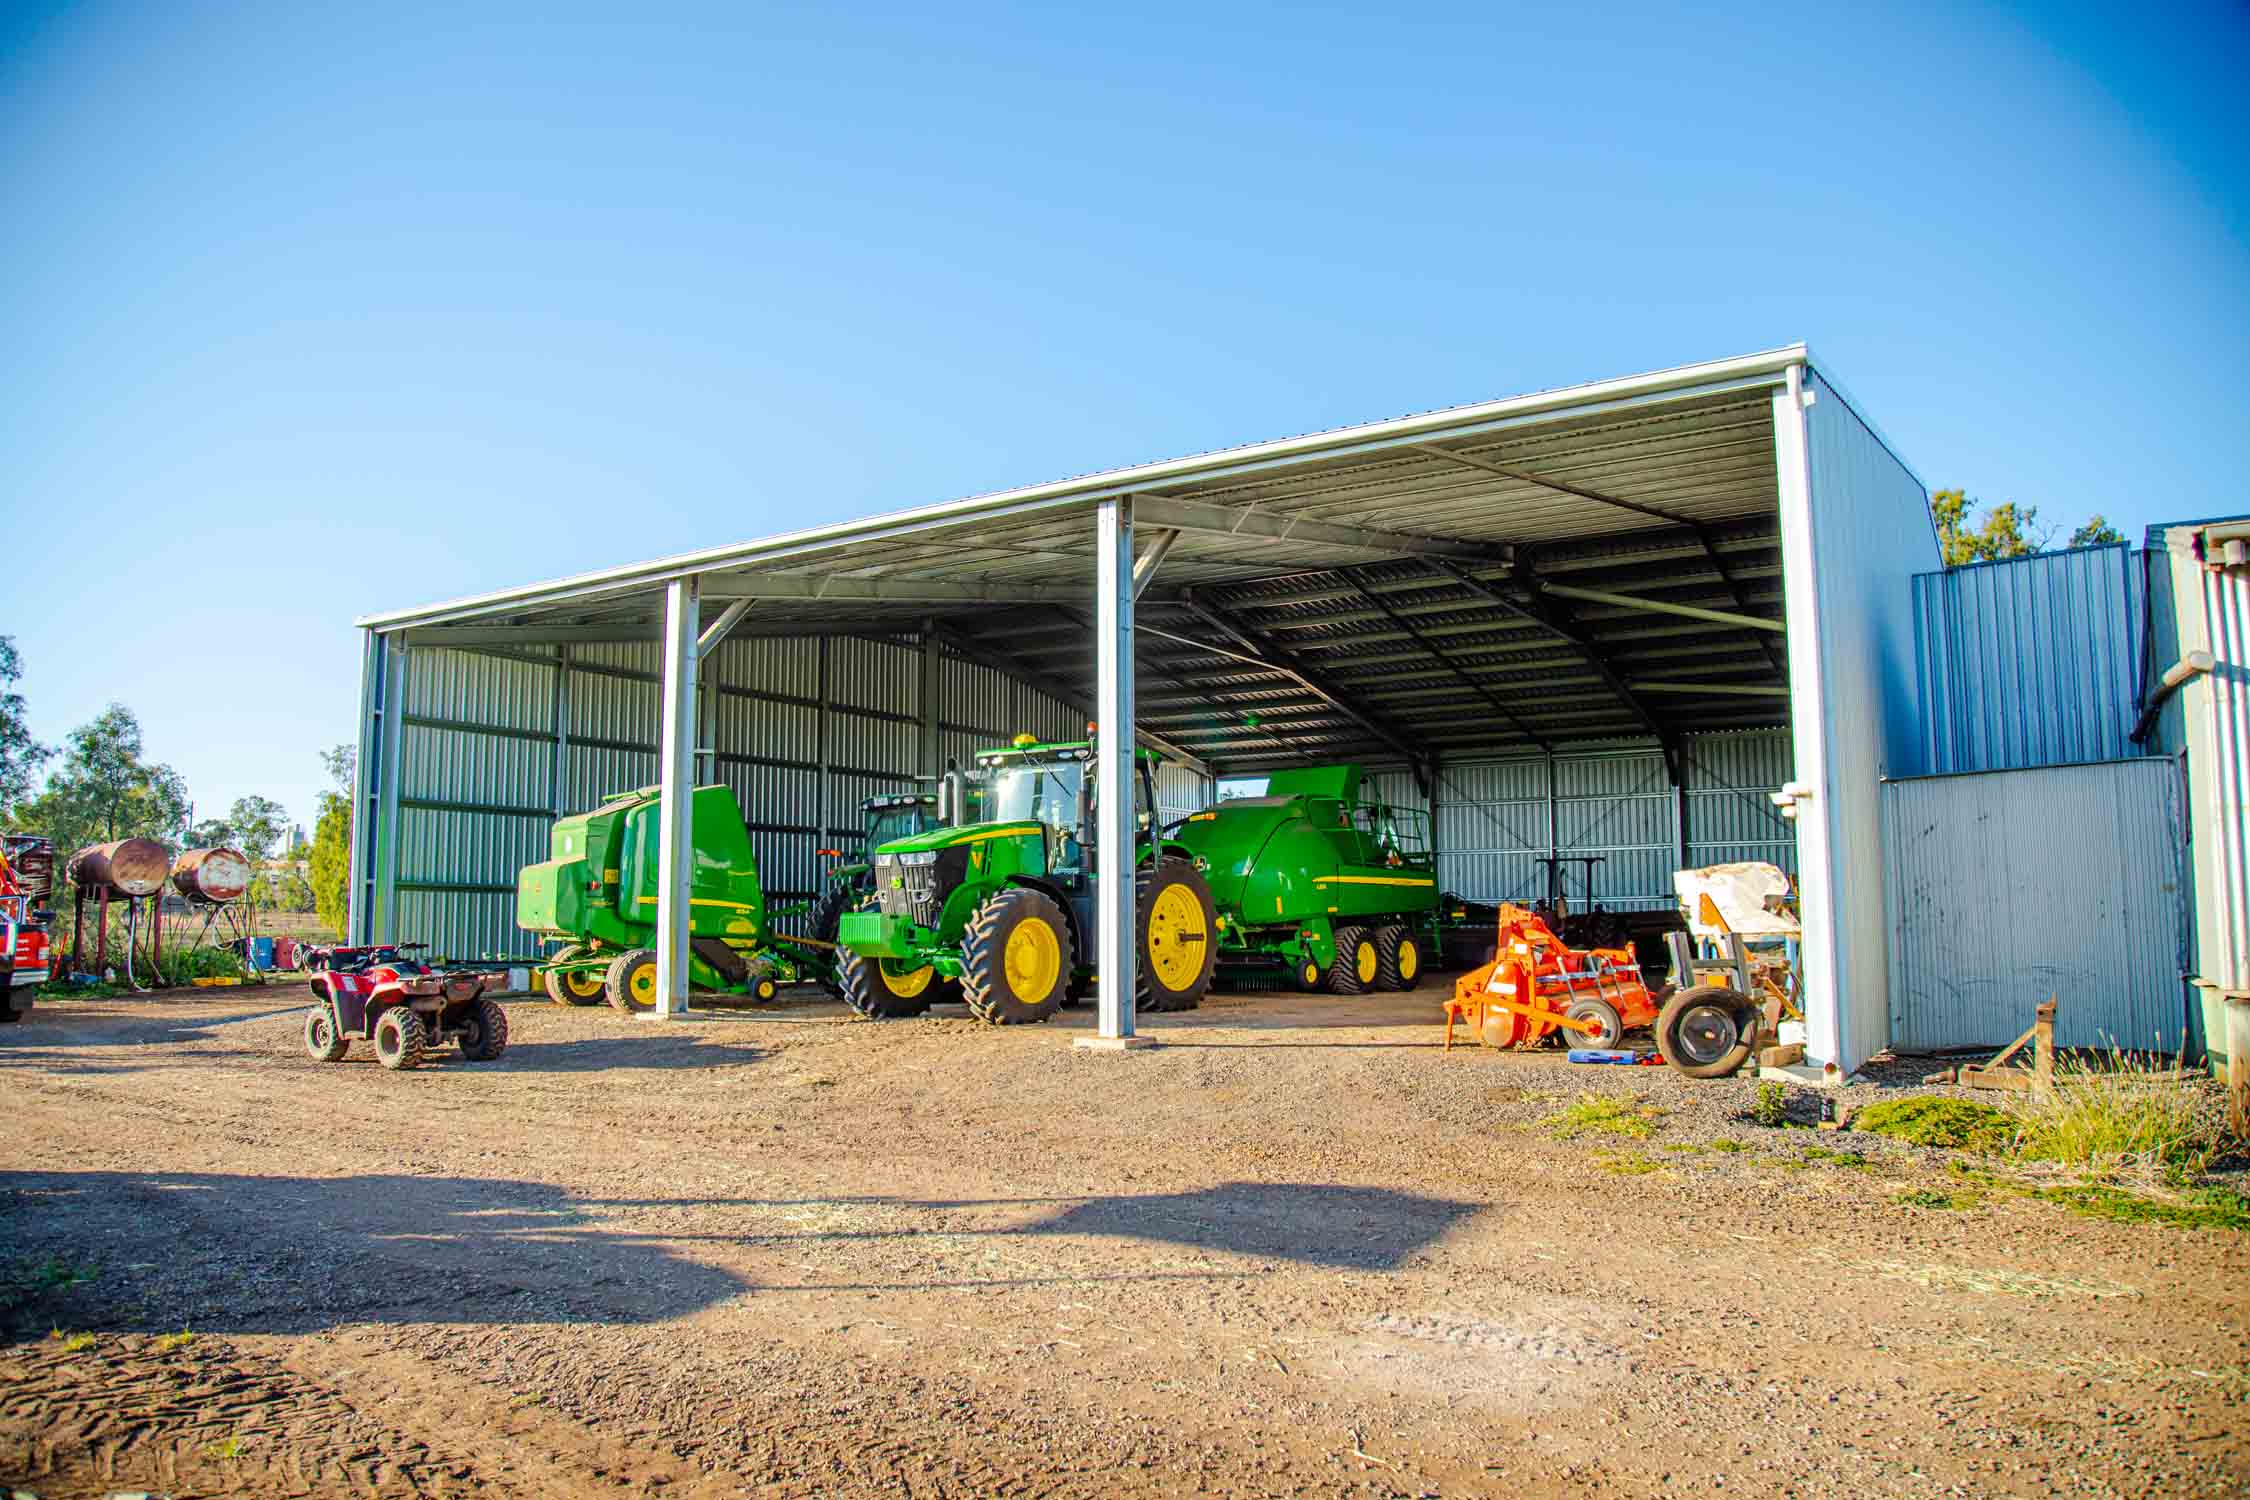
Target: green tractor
597, 895
1321, 879
900, 815
997, 911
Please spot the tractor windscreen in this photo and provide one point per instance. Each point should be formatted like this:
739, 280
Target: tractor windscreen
1032, 792
891, 823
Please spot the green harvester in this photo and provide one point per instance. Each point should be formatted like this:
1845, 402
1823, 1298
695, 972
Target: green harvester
998, 909
596, 894
1321, 878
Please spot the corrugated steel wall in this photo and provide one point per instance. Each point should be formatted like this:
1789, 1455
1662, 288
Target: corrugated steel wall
2030, 662
498, 743
2225, 800
2007, 887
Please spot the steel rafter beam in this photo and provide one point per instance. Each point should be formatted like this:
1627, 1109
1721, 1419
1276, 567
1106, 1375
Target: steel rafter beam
1174, 514
984, 653
816, 588
1437, 654
1264, 652
1558, 623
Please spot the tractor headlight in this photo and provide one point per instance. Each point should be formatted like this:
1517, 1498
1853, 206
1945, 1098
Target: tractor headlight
919, 857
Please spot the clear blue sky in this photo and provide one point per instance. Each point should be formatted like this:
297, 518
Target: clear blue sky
311, 311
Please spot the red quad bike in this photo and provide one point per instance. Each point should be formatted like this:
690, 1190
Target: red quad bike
403, 1005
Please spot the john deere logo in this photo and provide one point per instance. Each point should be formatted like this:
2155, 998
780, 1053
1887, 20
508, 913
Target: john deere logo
898, 882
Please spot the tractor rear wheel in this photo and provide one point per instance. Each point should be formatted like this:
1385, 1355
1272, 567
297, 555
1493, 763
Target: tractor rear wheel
484, 1031
1398, 958
885, 989
1708, 1031
398, 1039
1016, 958
630, 983
1179, 937
1603, 1014
321, 1037
578, 987
1357, 962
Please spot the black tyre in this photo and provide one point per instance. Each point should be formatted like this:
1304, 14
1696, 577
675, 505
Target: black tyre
579, 987
1310, 976
1081, 985
630, 984
1016, 958
1708, 1031
1357, 963
827, 921
886, 989
1179, 937
322, 1040
484, 1033
1602, 1014
399, 1043
1398, 958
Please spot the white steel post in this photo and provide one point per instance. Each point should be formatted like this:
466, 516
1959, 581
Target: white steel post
1114, 923
1820, 966
675, 856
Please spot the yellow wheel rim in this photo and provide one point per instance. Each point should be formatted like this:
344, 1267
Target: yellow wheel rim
1364, 960
1032, 960
641, 984
907, 985
1311, 974
1409, 959
587, 982
1176, 937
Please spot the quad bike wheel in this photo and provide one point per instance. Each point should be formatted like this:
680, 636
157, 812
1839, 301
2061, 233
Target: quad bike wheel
630, 984
1357, 962
1398, 958
1016, 958
578, 987
322, 1039
399, 1043
1708, 1031
886, 989
1179, 937
1603, 1014
484, 1032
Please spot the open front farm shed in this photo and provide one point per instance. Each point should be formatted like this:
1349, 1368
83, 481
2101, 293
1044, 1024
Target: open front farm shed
1612, 619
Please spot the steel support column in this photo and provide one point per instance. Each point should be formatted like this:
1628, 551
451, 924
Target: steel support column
929, 756
675, 852
1820, 962
359, 914
1115, 918
396, 656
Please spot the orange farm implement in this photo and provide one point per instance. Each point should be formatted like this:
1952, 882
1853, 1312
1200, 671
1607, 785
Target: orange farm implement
1537, 987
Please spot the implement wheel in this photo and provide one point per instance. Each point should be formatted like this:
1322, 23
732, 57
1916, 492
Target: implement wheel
1357, 962
1602, 1014
1179, 930
886, 989
578, 987
1016, 958
631, 981
1310, 977
1398, 958
1708, 1031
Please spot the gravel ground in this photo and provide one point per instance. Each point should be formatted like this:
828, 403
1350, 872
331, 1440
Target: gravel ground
1297, 1250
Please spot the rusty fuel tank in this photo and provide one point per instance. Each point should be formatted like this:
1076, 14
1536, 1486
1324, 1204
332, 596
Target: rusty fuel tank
129, 867
212, 877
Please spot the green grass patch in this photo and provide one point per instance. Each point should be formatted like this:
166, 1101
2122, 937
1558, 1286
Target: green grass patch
1594, 1115
1957, 1199
1628, 1163
2109, 1112
2199, 1208
31, 1279
1723, 1144
1850, 1159
1954, 1124
230, 1447
171, 1341
72, 1343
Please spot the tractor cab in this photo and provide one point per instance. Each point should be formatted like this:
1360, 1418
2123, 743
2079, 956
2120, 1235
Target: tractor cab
1053, 786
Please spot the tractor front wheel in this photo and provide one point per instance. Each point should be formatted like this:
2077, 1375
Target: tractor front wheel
1357, 965
827, 921
321, 1037
1708, 1031
399, 1043
484, 1033
1016, 958
1179, 937
884, 989
1398, 958
578, 986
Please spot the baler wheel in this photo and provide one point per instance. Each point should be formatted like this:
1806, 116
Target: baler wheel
1602, 1014
579, 987
1357, 962
1398, 958
1708, 1031
486, 1035
1016, 958
630, 983
880, 993
398, 1039
1179, 937
321, 1038
1311, 978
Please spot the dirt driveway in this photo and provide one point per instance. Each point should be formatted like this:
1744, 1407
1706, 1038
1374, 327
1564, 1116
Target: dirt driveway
1297, 1251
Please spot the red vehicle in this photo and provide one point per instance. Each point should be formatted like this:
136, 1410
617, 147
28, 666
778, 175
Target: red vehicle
386, 995
27, 882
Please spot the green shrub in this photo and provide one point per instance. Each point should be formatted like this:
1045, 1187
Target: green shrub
1954, 1124
185, 964
2111, 1115
2202, 1208
1772, 1108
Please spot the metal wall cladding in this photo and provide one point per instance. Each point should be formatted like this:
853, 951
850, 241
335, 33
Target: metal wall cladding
785, 665
761, 726
464, 926
977, 700
472, 688
622, 710
477, 769
2007, 887
1181, 790
442, 847
845, 793
644, 657
2223, 803
594, 773
2030, 662
875, 674
1730, 813
860, 743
